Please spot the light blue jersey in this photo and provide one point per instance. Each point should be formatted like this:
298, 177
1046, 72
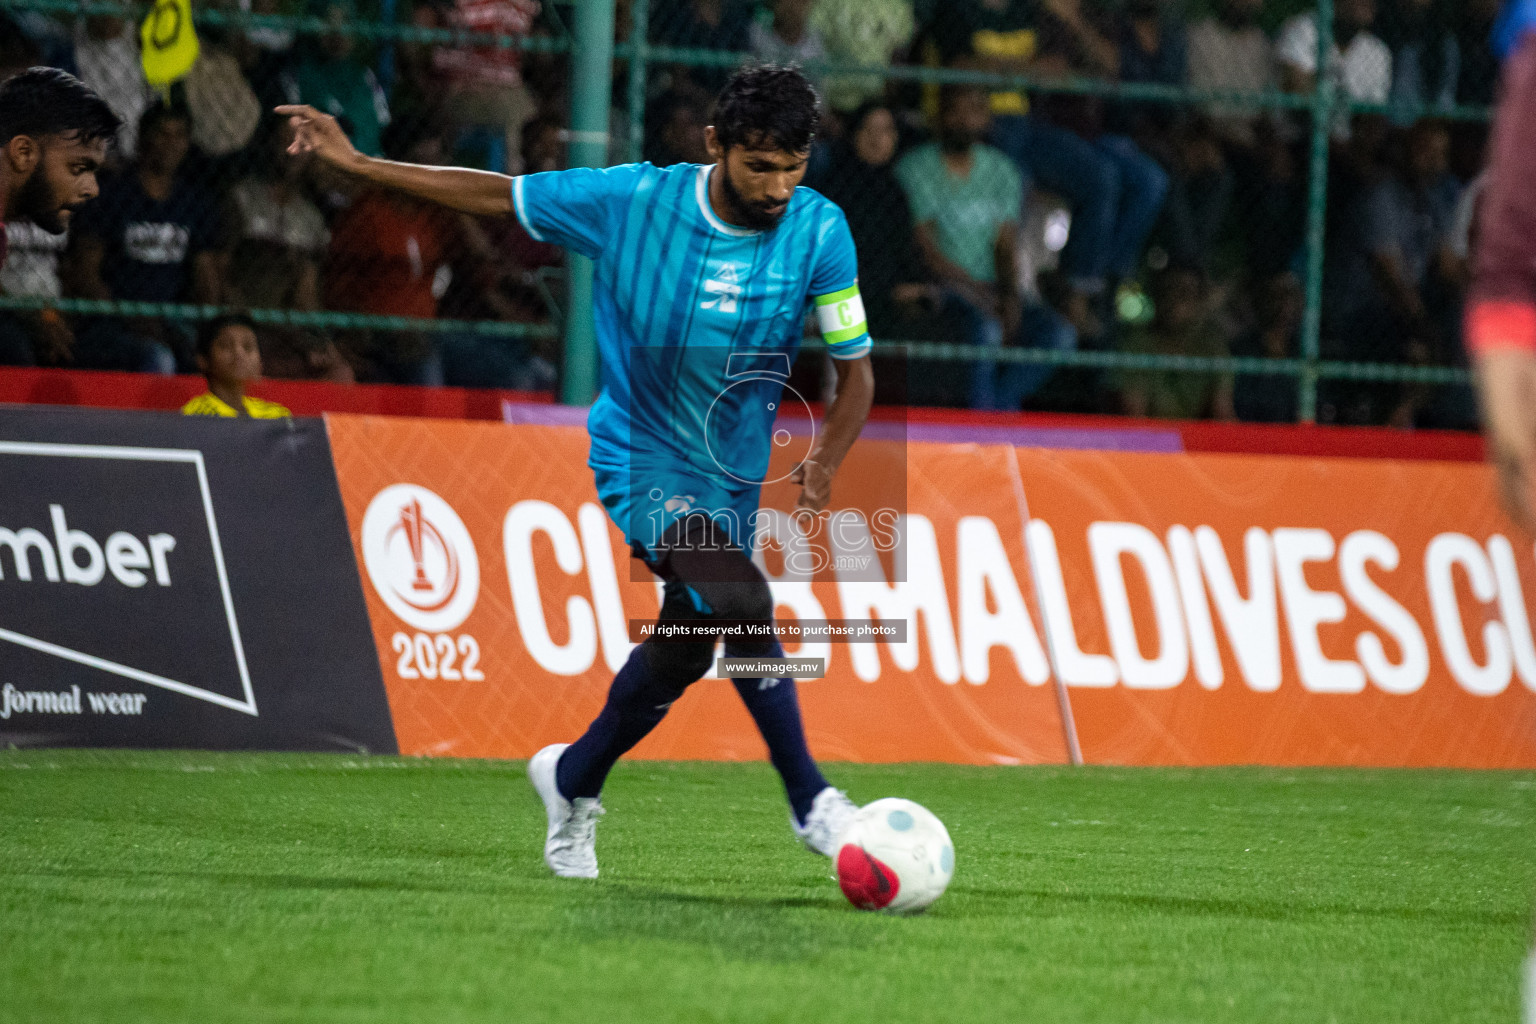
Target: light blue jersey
698, 323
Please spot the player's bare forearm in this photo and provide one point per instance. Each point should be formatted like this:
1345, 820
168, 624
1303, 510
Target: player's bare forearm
1506, 379
483, 193
851, 401
845, 419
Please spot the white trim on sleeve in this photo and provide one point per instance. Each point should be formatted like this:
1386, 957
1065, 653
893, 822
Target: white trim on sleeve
520, 207
857, 350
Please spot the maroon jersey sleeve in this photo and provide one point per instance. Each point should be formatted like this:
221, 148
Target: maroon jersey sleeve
1501, 313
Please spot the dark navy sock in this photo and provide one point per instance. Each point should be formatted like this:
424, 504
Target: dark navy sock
706, 578
654, 676
775, 707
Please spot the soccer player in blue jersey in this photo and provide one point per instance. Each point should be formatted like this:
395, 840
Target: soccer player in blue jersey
704, 274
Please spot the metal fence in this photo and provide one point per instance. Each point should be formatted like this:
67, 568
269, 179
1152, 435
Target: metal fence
1373, 336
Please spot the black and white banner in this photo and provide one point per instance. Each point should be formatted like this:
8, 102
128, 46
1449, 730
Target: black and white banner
171, 581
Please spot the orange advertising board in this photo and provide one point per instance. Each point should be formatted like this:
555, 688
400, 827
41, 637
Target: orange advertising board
1194, 609
518, 651
1222, 609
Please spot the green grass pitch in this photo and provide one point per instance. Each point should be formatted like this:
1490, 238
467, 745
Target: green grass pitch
207, 887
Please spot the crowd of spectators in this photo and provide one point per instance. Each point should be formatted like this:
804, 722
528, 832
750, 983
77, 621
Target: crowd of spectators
1055, 220
1006, 218
203, 203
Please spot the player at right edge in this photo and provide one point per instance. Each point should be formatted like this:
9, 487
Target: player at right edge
1501, 308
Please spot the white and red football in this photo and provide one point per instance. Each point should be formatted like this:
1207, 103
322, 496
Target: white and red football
895, 857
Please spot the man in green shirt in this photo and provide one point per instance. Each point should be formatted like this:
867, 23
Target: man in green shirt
967, 200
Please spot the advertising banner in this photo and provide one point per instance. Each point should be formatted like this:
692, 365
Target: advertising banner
500, 594
170, 581
1193, 609
1224, 609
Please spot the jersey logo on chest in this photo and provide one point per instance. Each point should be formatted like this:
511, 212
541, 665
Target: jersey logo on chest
724, 287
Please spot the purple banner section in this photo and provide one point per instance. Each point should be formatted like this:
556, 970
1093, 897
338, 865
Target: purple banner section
1075, 438
1105, 439
534, 414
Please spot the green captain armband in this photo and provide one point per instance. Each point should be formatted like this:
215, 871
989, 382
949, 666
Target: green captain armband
843, 327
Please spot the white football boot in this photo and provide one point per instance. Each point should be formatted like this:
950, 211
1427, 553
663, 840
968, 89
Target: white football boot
570, 845
830, 814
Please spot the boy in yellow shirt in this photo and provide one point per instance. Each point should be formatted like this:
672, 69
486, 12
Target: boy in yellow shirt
229, 357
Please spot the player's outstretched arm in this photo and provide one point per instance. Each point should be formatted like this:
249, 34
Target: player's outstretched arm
483, 193
845, 419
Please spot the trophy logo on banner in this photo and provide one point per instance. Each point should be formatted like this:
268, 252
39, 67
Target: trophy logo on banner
420, 558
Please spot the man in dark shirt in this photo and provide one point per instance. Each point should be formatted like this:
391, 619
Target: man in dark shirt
151, 238
1270, 398
1379, 301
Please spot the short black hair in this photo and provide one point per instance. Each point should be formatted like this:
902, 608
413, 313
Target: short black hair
160, 111
47, 101
767, 106
211, 329
855, 121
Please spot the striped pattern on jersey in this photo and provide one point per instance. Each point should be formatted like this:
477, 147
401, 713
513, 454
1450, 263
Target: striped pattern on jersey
697, 321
